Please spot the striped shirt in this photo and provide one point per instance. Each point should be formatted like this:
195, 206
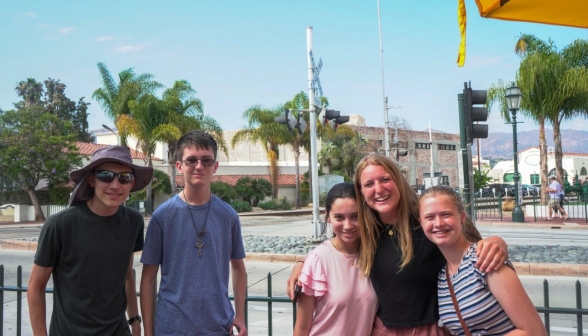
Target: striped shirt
481, 312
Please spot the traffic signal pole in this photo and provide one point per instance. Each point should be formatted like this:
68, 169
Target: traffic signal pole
313, 145
465, 155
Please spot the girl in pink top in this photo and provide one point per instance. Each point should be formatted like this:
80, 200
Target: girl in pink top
336, 299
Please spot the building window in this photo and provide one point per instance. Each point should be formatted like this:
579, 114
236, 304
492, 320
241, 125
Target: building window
422, 145
444, 180
535, 179
380, 143
583, 171
446, 147
552, 173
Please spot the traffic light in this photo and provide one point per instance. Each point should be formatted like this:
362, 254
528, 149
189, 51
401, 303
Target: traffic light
474, 114
294, 121
333, 118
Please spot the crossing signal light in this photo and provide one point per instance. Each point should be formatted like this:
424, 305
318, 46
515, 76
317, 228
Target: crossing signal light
474, 114
294, 121
333, 118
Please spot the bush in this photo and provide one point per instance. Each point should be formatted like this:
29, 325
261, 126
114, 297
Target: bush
240, 206
253, 190
269, 205
284, 204
59, 195
223, 191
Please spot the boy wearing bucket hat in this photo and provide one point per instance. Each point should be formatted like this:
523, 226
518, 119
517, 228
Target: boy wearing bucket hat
88, 248
194, 236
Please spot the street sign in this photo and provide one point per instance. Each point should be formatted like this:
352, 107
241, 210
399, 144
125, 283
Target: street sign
315, 84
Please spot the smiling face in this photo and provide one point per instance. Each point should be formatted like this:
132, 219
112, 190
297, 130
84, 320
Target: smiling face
343, 219
441, 220
109, 196
380, 192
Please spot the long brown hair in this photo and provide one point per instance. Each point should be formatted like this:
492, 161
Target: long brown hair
368, 218
469, 230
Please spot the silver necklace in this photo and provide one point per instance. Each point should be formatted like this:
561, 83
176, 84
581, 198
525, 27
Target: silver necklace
199, 244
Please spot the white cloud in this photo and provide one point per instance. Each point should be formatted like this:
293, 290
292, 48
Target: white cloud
130, 48
105, 38
30, 14
66, 30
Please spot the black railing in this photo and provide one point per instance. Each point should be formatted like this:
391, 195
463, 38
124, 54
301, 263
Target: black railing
545, 310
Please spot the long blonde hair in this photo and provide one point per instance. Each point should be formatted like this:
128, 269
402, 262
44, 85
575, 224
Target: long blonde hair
469, 230
368, 218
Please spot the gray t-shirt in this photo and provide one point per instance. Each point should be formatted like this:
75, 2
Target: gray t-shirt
90, 256
193, 293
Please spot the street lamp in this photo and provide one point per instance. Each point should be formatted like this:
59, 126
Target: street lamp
513, 99
113, 132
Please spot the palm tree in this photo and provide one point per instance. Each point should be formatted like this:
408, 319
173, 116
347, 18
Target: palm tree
30, 91
262, 128
115, 97
554, 87
184, 112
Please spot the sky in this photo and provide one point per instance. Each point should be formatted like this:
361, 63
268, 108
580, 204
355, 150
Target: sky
237, 54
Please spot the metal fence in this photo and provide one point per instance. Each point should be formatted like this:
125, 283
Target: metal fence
546, 310
492, 206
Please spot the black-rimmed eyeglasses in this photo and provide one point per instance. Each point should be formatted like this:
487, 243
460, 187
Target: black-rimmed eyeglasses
107, 176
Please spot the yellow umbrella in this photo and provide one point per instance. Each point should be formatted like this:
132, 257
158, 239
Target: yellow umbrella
572, 13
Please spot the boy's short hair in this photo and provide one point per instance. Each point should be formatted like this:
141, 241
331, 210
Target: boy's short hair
198, 138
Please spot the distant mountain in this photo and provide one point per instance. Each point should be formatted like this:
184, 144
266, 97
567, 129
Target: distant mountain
499, 145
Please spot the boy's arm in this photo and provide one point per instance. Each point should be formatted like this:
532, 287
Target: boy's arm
148, 280
131, 292
36, 298
239, 275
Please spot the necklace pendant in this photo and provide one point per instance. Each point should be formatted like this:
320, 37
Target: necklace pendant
390, 232
199, 245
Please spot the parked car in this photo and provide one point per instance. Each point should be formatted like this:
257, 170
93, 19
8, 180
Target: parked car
531, 190
503, 189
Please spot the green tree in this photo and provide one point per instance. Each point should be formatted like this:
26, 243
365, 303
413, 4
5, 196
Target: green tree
223, 191
115, 97
184, 112
53, 99
253, 190
554, 88
35, 146
159, 181
261, 128
481, 179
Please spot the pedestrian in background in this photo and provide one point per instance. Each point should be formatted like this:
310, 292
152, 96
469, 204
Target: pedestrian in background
555, 189
88, 248
195, 237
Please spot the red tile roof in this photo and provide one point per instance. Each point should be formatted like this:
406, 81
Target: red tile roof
284, 180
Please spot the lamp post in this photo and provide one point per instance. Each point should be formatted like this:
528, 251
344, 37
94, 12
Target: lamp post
113, 132
513, 99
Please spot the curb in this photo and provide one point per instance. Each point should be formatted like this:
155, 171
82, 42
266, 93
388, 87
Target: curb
522, 268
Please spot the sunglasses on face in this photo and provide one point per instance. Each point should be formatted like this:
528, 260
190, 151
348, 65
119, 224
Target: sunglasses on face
206, 162
108, 176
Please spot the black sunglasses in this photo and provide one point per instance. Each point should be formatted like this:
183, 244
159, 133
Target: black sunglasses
206, 161
108, 176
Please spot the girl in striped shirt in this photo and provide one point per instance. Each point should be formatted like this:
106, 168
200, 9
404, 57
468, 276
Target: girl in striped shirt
490, 303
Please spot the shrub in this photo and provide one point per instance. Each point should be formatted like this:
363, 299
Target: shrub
253, 190
269, 205
284, 204
59, 195
240, 206
223, 191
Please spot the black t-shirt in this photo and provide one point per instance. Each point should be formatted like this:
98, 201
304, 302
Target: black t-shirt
407, 297
90, 256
